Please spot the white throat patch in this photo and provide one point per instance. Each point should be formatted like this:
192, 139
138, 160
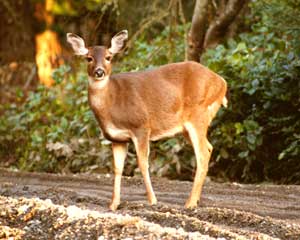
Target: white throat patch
98, 84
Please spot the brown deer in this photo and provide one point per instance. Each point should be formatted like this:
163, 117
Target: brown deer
150, 105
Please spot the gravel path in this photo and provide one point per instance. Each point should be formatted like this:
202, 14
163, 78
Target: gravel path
48, 206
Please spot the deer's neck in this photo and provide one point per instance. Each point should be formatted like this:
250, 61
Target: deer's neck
98, 97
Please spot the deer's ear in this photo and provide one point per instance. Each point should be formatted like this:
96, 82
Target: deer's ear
118, 41
77, 44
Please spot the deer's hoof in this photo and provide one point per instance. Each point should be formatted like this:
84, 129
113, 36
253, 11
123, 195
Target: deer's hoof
114, 206
152, 201
190, 204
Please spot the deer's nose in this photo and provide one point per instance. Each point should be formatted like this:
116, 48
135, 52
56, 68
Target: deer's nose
99, 73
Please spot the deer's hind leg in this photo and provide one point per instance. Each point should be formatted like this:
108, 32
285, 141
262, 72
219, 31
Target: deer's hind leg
197, 127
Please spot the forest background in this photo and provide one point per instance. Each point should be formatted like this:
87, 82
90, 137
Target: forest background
46, 124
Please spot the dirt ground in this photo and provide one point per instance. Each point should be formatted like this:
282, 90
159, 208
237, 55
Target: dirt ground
48, 206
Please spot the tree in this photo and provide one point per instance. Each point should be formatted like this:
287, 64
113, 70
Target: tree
17, 30
210, 24
48, 49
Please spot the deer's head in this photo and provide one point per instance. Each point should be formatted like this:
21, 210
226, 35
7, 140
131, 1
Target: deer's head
98, 57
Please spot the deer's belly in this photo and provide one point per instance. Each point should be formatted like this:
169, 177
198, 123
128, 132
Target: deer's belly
170, 132
113, 133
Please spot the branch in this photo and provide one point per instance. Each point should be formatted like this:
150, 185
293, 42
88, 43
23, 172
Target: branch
148, 22
219, 27
145, 25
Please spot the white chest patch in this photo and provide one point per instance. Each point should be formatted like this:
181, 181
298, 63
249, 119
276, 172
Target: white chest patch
115, 132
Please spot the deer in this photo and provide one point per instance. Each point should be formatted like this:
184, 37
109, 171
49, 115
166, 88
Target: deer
150, 105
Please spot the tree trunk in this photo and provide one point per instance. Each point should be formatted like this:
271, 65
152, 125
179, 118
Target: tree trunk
205, 34
219, 27
48, 48
197, 33
16, 31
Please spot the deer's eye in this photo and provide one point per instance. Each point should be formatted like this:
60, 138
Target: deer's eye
89, 59
108, 58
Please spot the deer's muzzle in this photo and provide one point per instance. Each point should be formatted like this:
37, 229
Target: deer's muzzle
99, 73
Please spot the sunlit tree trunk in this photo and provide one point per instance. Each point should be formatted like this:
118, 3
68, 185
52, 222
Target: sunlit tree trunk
48, 49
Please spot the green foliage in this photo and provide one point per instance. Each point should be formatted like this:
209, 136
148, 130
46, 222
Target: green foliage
260, 130
162, 49
282, 16
54, 130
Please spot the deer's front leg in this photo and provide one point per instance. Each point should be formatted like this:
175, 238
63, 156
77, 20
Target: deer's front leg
119, 155
141, 144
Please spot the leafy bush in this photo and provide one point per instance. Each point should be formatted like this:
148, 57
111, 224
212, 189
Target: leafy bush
53, 130
258, 137
167, 47
281, 16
